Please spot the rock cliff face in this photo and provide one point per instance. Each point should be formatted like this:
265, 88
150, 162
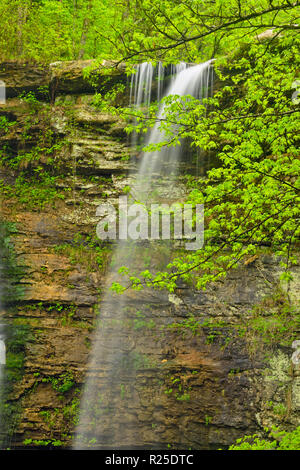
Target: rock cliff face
209, 366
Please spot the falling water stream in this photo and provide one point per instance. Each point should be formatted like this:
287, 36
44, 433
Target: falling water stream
117, 399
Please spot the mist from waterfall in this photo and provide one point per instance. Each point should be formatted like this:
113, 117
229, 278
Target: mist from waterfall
111, 408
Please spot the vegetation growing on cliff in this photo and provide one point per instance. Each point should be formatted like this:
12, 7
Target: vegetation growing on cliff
275, 440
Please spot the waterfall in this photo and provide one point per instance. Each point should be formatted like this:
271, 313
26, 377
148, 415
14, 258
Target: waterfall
193, 81
114, 401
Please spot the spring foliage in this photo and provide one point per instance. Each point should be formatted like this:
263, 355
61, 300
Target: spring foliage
251, 124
